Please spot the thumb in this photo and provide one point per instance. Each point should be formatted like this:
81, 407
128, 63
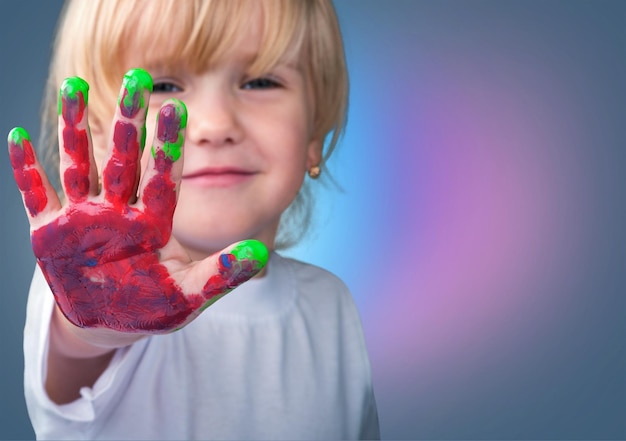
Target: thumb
222, 272
236, 265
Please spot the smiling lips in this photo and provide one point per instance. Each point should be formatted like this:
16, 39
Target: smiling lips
218, 176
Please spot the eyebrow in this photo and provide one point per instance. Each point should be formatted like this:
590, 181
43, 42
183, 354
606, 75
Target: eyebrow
244, 59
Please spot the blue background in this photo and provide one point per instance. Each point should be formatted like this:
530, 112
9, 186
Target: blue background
481, 223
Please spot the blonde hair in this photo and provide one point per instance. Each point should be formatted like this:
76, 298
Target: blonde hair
97, 38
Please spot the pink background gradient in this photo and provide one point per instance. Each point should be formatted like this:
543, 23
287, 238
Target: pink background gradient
481, 228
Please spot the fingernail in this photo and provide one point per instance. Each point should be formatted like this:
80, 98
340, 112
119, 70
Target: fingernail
17, 136
20, 149
134, 84
172, 119
73, 97
252, 251
241, 263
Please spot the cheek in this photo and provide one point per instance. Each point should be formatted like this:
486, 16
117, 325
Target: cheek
145, 157
294, 156
288, 136
150, 126
150, 132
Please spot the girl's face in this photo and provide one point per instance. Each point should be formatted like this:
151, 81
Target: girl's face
248, 145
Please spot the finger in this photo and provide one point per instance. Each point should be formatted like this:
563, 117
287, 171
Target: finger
79, 175
162, 177
121, 172
37, 193
234, 267
217, 275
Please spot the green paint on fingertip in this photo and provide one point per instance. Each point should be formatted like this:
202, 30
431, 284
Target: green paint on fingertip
70, 88
141, 76
17, 136
251, 250
136, 81
173, 149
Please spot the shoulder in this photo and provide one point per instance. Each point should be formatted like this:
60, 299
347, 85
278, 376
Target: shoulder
320, 294
311, 279
309, 274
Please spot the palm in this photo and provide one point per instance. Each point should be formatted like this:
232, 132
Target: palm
109, 260
105, 271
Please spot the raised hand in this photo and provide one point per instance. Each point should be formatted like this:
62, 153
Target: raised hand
108, 255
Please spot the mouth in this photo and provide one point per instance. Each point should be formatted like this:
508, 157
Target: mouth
218, 176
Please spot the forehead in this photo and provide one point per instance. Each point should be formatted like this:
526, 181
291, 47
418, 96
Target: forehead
198, 37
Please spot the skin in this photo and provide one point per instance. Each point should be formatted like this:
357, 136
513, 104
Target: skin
72, 104
260, 127
101, 254
27, 176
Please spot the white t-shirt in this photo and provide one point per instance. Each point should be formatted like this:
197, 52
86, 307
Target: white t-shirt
280, 357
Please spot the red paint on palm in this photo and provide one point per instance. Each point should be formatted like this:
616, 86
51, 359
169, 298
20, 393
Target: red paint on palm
103, 266
102, 263
102, 258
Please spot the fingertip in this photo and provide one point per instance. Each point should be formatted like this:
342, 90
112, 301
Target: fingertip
251, 250
21, 151
141, 76
136, 87
235, 266
17, 135
72, 85
171, 122
181, 110
243, 261
72, 89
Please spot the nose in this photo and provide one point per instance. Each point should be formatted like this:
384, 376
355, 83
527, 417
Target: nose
212, 120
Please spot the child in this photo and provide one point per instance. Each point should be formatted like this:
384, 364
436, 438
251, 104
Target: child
130, 257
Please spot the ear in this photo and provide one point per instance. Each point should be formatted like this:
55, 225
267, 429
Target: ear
314, 153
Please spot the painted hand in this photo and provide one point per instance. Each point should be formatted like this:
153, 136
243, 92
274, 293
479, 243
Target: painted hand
108, 255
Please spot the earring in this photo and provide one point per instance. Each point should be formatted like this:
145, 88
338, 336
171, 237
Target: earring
315, 171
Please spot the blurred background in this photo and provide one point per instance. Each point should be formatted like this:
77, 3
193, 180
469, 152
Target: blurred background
481, 222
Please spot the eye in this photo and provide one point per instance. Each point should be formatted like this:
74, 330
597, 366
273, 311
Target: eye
261, 83
165, 86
